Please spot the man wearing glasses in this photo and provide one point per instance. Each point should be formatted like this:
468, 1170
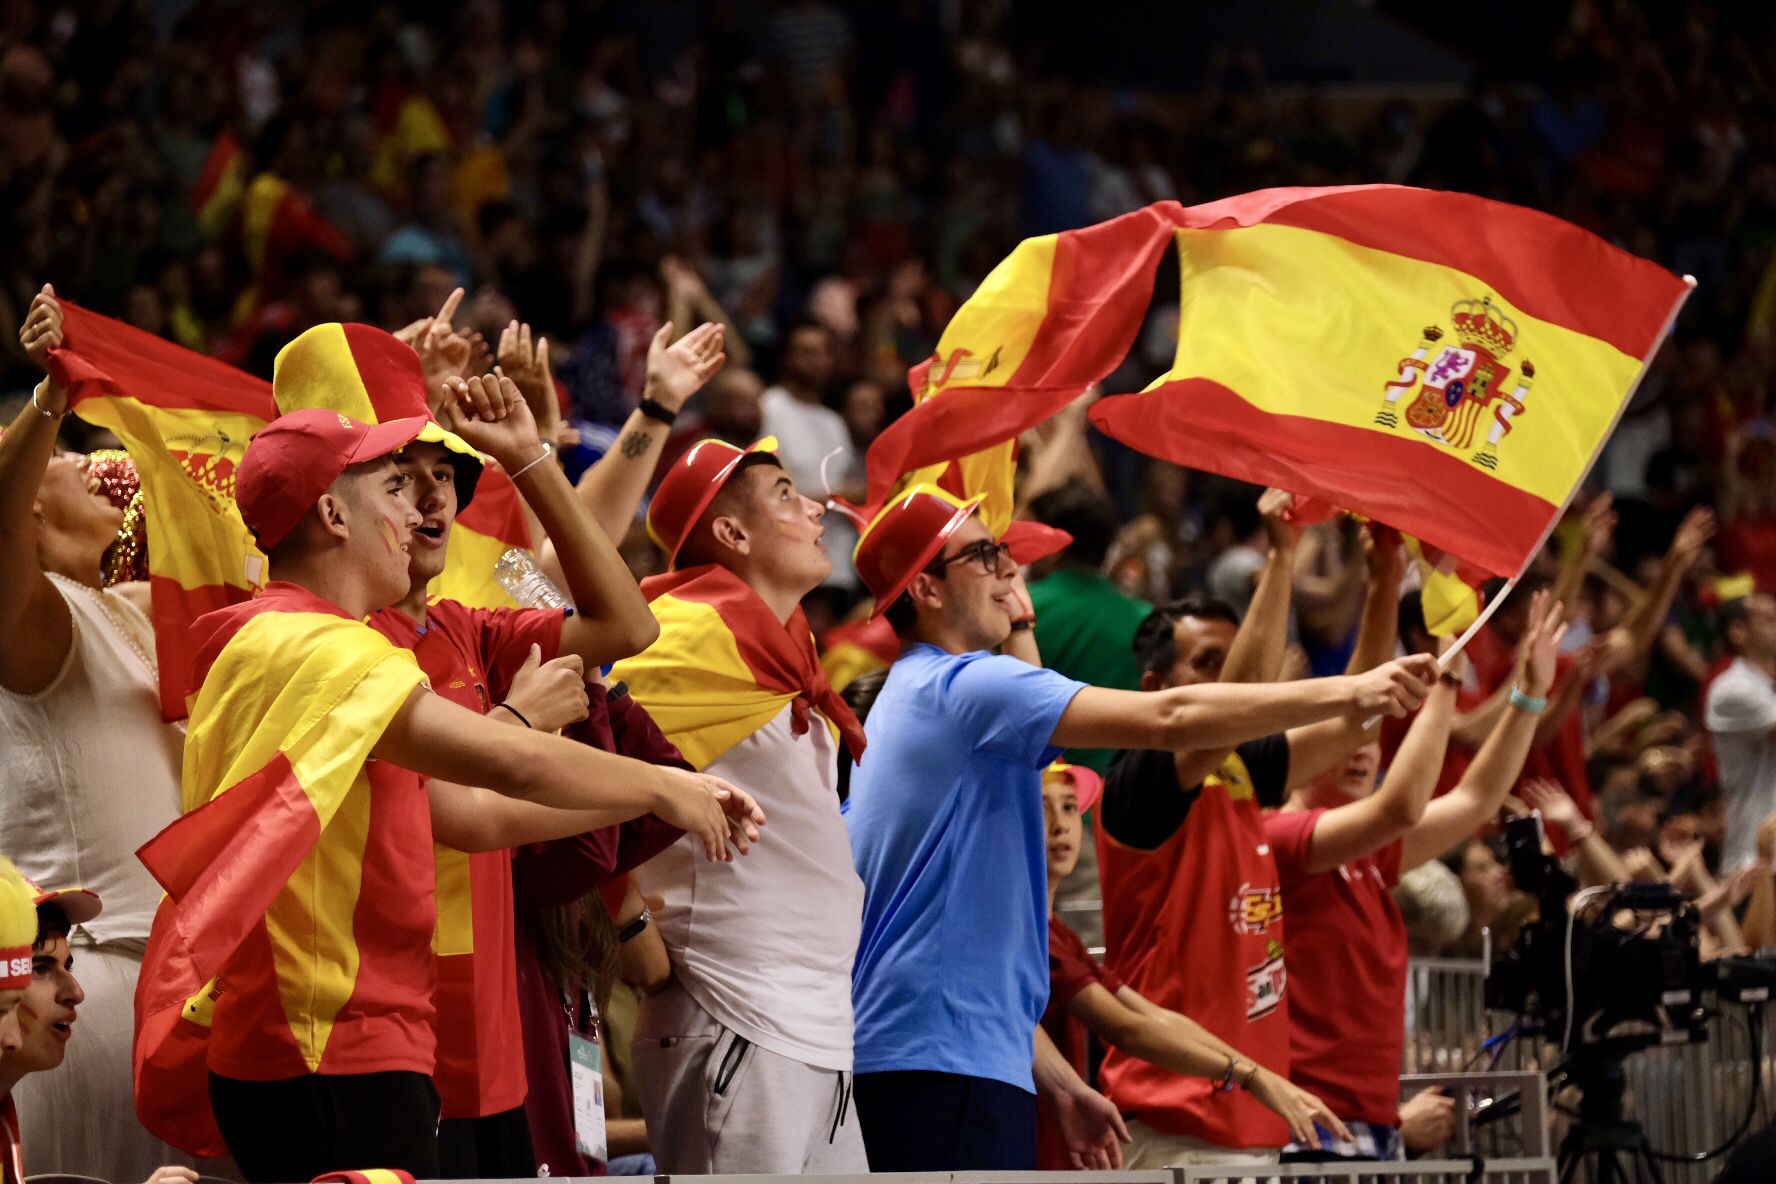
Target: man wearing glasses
946, 825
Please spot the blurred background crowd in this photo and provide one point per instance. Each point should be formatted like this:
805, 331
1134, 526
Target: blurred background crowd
831, 180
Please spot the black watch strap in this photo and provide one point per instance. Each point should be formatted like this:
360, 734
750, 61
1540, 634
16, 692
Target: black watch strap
658, 411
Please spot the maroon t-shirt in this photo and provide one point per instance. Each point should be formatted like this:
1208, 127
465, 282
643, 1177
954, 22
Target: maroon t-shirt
549, 875
1347, 973
1071, 969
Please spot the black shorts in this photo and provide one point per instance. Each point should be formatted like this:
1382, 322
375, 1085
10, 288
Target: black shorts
302, 1127
917, 1121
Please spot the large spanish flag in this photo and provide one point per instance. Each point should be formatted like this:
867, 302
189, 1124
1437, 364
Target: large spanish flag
1442, 363
724, 666
185, 419
294, 696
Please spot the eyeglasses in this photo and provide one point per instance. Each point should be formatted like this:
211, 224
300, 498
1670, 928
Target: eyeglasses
990, 555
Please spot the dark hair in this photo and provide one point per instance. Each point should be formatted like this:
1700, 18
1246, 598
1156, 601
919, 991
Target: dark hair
695, 550
1412, 613
1084, 513
52, 922
902, 615
576, 947
860, 693
1156, 641
1734, 612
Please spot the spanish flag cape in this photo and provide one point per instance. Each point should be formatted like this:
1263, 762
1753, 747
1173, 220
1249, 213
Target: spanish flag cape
294, 695
724, 666
185, 420
1372, 346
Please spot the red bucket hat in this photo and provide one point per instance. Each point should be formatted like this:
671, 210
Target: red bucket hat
905, 536
690, 485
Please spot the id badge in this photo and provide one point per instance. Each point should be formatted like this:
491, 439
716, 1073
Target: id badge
586, 1062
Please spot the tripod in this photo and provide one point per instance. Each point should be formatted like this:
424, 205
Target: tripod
1613, 1149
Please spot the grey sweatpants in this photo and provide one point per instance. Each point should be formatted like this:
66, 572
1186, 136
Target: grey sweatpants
716, 1102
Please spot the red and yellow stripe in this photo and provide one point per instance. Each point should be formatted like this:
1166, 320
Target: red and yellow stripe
724, 666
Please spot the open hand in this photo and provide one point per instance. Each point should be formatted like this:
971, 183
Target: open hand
1091, 1128
1295, 1106
1554, 802
1692, 535
676, 370
716, 812
1539, 654
551, 695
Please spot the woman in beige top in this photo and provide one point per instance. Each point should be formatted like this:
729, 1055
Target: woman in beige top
91, 770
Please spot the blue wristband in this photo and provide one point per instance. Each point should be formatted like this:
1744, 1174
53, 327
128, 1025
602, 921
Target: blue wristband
1525, 703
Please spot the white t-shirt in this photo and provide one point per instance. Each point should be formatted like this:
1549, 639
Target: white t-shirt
88, 769
764, 943
1739, 713
807, 433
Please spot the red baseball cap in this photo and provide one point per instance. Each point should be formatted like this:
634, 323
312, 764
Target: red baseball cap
292, 460
906, 535
690, 485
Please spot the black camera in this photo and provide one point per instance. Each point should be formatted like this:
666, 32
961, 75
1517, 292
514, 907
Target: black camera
1621, 971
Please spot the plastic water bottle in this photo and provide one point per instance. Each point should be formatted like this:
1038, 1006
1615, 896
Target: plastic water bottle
525, 582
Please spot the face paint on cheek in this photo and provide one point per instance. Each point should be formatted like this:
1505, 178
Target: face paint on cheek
27, 1018
391, 534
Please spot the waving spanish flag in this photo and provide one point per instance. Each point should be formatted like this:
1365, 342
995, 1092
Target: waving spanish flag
185, 420
724, 666
294, 696
1445, 364
1055, 316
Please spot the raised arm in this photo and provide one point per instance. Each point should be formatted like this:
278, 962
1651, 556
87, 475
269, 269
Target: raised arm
1630, 641
611, 619
1318, 747
613, 488
1360, 828
1482, 789
437, 738
1220, 715
34, 619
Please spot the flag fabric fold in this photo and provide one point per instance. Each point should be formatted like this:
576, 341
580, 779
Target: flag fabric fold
724, 666
268, 765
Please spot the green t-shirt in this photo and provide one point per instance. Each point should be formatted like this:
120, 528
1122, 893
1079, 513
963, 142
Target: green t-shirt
1085, 628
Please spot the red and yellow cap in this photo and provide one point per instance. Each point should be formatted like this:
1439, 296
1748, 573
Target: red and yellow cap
372, 376
905, 536
292, 460
690, 485
79, 905
1088, 787
18, 927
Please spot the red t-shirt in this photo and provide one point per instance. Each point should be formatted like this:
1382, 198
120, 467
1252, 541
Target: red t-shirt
1347, 973
1193, 916
470, 655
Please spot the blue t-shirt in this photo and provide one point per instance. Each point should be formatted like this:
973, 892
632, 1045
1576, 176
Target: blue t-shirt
946, 826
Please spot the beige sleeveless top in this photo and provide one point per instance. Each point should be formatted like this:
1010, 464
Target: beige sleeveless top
88, 770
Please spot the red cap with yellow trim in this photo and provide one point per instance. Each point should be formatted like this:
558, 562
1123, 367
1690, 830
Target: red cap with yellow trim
905, 536
690, 485
1088, 787
79, 905
292, 460
18, 927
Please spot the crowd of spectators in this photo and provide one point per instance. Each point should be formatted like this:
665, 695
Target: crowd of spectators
830, 181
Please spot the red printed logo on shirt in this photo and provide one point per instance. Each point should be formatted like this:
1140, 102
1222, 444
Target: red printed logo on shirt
1265, 983
1254, 910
